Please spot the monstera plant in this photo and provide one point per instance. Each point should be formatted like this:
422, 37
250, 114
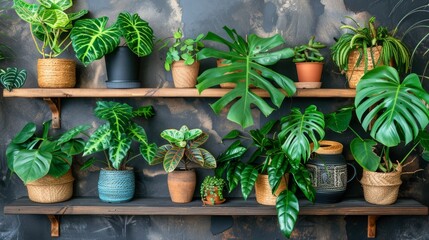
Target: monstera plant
92, 39
12, 78
275, 156
248, 67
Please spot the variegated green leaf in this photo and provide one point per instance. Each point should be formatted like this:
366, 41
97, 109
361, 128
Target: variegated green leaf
209, 160
145, 111
13, 78
137, 33
77, 15
192, 134
99, 140
118, 150
54, 18
137, 133
26, 11
172, 135
200, 140
57, 4
160, 154
148, 151
117, 114
91, 39
172, 158
195, 155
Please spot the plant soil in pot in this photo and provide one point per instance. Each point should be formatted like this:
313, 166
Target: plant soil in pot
181, 185
56, 73
115, 186
185, 76
49, 189
263, 190
122, 67
381, 188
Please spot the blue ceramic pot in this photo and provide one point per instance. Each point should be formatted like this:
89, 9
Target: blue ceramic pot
116, 186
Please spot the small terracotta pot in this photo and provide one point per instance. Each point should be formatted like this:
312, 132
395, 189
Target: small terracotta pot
185, 76
49, 189
212, 199
263, 190
309, 71
181, 185
56, 73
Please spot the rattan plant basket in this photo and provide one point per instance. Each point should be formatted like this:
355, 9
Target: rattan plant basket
381, 188
49, 189
355, 72
263, 190
56, 73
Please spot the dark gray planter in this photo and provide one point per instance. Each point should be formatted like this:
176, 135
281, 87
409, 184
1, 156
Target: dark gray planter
122, 67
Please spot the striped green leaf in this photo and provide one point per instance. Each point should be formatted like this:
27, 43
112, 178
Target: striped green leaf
13, 78
99, 140
172, 158
148, 151
117, 114
118, 150
56, 4
209, 159
91, 39
137, 33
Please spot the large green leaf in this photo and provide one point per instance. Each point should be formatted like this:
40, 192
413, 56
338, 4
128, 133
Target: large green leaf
363, 152
235, 150
27, 12
302, 178
99, 140
276, 170
26, 133
91, 39
67, 136
287, 207
137, 133
248, 61
248, 178
31, 165
299, 130
149, 152
13, 78
172, 158
339, 121
73, 147
194, 155
233, 175
117, 114
118, 150
396, 111
60, 164
137, 33
160, 154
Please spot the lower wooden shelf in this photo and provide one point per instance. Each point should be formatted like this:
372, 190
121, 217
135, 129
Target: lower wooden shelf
233, 207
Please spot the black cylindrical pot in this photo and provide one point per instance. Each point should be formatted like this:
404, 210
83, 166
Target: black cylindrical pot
122, 67
328, 170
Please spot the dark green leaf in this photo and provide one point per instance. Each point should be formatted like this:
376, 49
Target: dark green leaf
363, 152
287, 207
231, 135
31, 165
26, 133
248, 178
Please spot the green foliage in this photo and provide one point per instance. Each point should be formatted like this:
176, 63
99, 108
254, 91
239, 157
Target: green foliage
212, 185
309, 52
12, 78
117, 134
32, 157
248, 66
182, 49
92, 39
396, 111
184, 147
49, 23
360, 38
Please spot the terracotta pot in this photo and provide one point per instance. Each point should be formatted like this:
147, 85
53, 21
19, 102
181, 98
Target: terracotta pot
185, 76
212, 199
381, 188
49, 189
355, 73
263, 190
309, 71
56, 73
181, 185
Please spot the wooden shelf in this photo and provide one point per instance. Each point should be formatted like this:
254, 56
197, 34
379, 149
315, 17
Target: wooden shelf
161, 92
233, 207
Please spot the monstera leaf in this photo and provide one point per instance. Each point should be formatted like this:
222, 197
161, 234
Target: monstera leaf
299, 130
248, 67
13, 78
137, 33
31, 165
91, 39
396, 110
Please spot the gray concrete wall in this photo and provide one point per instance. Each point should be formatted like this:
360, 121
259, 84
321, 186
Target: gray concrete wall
295, 20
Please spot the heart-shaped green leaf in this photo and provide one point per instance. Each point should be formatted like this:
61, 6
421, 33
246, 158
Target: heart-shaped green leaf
13, 78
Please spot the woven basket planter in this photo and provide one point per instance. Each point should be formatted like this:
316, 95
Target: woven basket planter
115, 186
355, 73
263, 190
181, 185
49, 189
381, 188
185, 76
56, 73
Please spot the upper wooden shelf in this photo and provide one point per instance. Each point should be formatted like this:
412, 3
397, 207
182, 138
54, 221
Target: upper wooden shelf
161, 92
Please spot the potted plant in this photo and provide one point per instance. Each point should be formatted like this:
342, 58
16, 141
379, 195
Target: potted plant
12, 78
116, 182
43, 162
181, 59
364, 48
309, 64
50, 24
179, 157
394, 112
283, 154
246, 59
211, 190
92, 39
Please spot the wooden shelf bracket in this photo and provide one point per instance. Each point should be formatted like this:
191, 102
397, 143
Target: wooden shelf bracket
372, 226
55, 106
55, 225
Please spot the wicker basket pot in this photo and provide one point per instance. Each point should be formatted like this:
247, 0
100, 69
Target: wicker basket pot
115, 186
181, 185
56, 73
263, 189
355, 73
381, 188
49, 189
185, 76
